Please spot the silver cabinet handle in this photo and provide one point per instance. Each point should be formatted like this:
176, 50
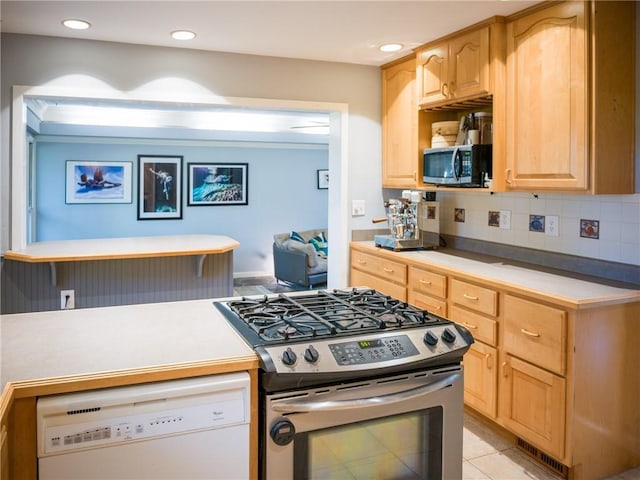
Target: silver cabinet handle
297, 405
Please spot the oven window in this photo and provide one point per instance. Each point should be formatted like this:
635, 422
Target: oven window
406, 446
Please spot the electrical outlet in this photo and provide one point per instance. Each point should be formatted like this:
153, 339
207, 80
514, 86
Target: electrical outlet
357, 208
505, 219
67, 299
551, 226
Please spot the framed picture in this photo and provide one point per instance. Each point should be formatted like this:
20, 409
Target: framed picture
218, 184
323, 179
159, 187
98, 182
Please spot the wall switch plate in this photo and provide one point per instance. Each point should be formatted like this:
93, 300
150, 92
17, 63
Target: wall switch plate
67, 299
551, 226
357, 208
505, 219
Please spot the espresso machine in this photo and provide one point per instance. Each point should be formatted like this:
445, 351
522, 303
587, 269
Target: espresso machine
414, 223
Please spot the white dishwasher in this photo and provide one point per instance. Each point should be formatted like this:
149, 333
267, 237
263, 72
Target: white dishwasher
196, 428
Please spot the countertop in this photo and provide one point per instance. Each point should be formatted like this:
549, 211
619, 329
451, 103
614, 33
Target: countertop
118, 248
86, 341
567, 289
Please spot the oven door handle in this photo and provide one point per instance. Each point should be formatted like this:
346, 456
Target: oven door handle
297, 405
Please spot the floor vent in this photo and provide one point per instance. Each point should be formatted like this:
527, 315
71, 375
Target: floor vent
545, 459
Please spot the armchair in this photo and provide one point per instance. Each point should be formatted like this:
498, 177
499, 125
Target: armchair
297, 260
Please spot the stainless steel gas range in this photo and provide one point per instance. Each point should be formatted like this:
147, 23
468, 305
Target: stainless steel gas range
354, 384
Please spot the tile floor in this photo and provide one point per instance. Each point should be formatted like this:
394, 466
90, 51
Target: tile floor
487, 454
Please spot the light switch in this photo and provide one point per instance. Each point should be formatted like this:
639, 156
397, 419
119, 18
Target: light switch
357, 208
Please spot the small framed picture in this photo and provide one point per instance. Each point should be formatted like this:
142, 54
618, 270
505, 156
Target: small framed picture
494, 218
98, 182
536, 223
323, 179
218, 184
458, 215
159, 187
590, 228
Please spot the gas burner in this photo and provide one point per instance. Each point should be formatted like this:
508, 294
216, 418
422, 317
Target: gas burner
325, 313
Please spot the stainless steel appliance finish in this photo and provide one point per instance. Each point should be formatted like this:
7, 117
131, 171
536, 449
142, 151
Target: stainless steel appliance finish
339, 367
458, 166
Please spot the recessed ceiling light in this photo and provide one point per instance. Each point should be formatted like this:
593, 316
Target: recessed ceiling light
391, 47
76, 24
183, 35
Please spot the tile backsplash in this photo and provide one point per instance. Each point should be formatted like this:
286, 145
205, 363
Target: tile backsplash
572, 222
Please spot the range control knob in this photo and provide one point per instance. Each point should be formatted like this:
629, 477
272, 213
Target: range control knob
311, 355
289, 357
282, 432
448, 336
430, 339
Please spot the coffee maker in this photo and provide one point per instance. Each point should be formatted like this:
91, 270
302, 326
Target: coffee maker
414, 223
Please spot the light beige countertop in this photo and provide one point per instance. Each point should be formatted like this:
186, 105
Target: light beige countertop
564, 288
117, 248
108, 339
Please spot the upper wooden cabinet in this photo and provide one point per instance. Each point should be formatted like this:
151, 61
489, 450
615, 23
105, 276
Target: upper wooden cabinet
570, 98
399, 125
454, 69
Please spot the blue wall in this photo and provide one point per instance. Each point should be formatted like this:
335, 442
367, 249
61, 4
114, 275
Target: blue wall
282, 194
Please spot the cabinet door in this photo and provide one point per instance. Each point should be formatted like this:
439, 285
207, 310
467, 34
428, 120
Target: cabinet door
433, 64
546, 127
469, 64
399, 126
532, 404
480, 378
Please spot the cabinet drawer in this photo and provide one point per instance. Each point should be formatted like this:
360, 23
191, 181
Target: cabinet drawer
424, 281
480, 299
362, 279
426, 302
482, 328
381, 267
536, 333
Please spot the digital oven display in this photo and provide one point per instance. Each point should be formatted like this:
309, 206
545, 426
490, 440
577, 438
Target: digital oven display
370, 343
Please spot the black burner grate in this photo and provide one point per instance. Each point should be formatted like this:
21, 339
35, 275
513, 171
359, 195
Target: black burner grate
325, 313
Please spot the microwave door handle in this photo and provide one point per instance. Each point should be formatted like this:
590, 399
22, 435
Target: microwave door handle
297, 405
456, 163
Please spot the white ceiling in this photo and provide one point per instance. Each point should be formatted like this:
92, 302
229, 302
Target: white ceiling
337, 31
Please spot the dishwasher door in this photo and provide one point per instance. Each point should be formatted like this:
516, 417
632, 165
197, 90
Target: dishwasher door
195, 428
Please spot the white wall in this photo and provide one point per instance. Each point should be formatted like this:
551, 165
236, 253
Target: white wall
43, 61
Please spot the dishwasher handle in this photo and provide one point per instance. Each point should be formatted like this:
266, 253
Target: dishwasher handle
297, 405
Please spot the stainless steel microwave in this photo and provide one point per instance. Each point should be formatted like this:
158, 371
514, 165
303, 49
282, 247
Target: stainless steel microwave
458, 166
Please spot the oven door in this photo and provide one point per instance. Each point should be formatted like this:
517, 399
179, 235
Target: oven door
402, 427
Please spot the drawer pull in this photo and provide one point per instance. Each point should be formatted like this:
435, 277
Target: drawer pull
505, 369
468, 325
362, 262
388, 270
527, 332
489, 362
469, 297
425, 282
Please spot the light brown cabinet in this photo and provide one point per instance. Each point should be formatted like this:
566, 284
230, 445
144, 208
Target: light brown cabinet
543, 366
455, 69
570, 99
399, 125
427, 290
379, 273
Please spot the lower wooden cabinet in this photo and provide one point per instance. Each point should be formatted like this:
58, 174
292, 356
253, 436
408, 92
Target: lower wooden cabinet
480, 378
558, 372
532, 404
386, 276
